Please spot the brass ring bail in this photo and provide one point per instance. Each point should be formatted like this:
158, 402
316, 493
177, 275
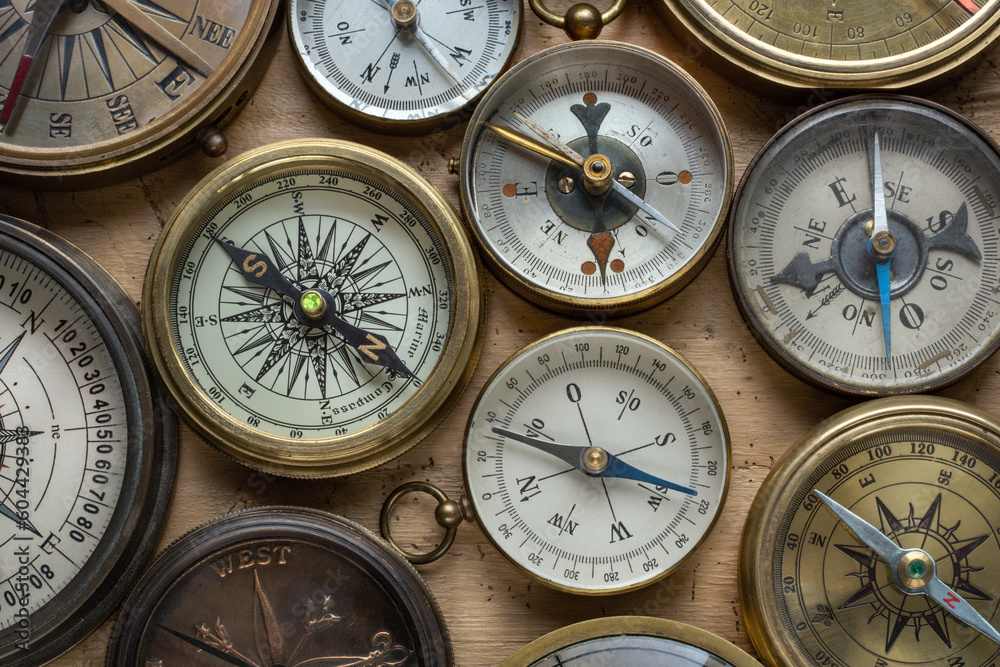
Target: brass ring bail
582, 21
448, 514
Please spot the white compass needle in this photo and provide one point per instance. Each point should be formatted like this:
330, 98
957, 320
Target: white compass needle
578, 159
893, 554
881, 247
405, 15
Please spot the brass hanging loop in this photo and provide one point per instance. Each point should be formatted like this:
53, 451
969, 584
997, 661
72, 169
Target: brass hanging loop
582, 21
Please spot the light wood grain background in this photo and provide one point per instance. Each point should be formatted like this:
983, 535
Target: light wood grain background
491, 609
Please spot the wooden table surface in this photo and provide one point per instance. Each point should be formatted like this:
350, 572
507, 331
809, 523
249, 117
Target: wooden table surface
491, 609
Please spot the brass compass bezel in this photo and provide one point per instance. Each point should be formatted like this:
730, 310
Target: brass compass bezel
214, 104
333, 97
753, 62
574, 306
638, 626
344, 540
335, 455
586, 333
787, 481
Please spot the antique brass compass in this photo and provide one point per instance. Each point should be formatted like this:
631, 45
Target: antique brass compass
87, 445
596, 460
874, 540
280, 586
595, 176
862, 246
400, 66
837, 44
102, 90
314, 307
636, 641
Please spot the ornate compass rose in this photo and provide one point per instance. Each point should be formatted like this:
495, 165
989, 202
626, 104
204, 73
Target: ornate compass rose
951, 558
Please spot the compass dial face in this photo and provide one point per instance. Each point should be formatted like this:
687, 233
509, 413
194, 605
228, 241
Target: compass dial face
74, 414
638, 641
394, 70
799, 260
615, 398
313, 234
843, 44
280, 586
102, 86
541, 228
924, 481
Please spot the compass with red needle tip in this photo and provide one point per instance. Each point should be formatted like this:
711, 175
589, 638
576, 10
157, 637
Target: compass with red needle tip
595, 176
87, 445
101, 90
873, 540
314, 308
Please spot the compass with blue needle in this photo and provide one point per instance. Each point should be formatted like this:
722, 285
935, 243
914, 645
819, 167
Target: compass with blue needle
863, 248
596, 460
87, 445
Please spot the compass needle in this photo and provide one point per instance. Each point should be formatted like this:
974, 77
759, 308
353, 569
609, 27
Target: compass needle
405, 66
606, 168
533, 495
874, 253
896, 558
310, 302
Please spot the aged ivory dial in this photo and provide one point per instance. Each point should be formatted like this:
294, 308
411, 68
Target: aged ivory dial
87, 448
595, 177
874, 541
401, 66
808, 274
314, 307
596, 460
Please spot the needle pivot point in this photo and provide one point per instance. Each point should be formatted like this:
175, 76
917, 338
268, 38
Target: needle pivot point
404, 13
915, 569
598, 174
595, 460
883, 246
313, 304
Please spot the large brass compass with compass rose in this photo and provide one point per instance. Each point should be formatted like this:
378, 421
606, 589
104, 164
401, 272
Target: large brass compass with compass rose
874, 540
314, 308
595, 176
280, 587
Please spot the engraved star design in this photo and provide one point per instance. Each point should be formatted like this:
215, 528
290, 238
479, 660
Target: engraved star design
270, 649
321, 252
877, 592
